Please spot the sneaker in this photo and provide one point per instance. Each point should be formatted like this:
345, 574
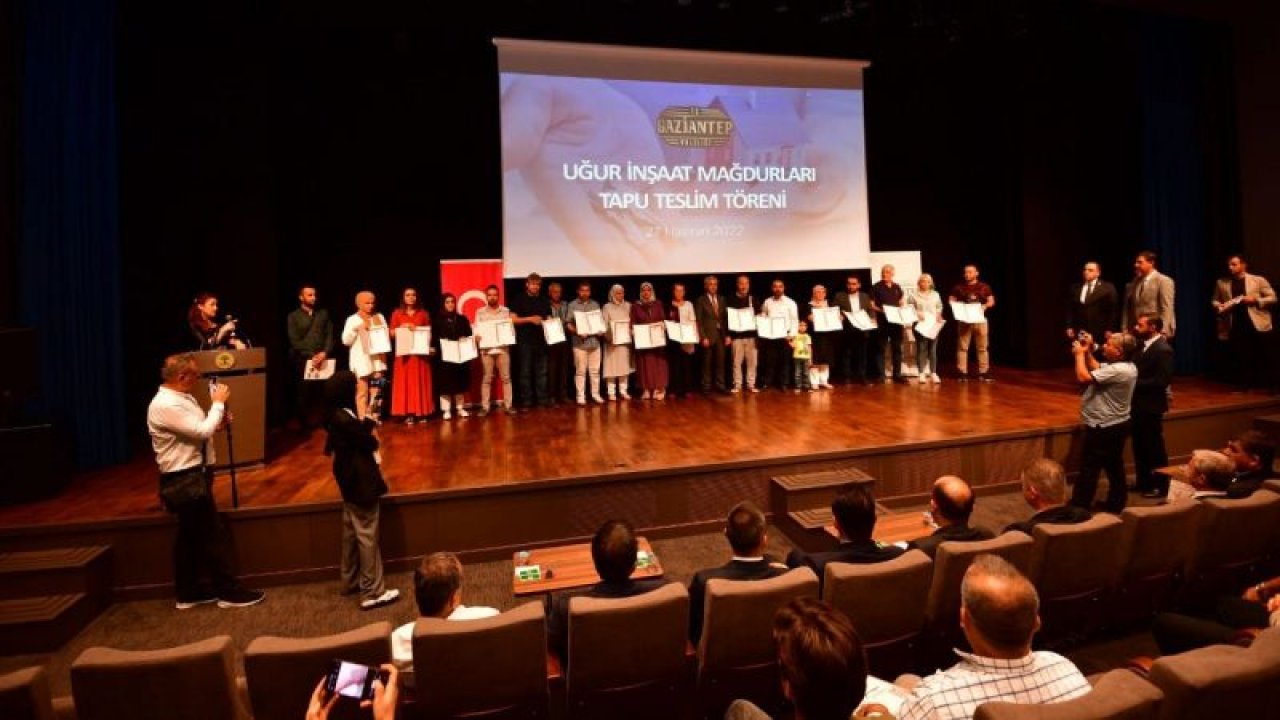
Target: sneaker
797, 391
923, 379
597, 399
240, 597
935, 378
755, 389
483, 411
462, 412
389, 596
510, 410
582, 401
736, 390
410, 420
199, 599
622, 394
985, 377
449, 416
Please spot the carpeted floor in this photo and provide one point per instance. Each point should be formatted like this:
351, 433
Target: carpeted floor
317, 609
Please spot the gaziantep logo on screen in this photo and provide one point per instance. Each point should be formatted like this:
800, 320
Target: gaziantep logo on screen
694, 126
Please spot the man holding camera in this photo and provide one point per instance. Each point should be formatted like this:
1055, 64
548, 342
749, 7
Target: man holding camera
1104, 410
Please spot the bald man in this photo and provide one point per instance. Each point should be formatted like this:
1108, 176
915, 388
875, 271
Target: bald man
951, 505
999, 614
355, 335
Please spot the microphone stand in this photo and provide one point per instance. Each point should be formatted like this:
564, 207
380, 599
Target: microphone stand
231, 464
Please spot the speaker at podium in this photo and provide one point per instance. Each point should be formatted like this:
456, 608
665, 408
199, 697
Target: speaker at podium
245, 372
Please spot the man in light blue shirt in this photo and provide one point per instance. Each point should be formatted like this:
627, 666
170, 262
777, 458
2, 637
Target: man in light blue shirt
1104, 410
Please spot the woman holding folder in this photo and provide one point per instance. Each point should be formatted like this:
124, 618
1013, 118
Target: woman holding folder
680, 356
651, 363
451, 380
410, 377
617, 354
927, 303
823, 350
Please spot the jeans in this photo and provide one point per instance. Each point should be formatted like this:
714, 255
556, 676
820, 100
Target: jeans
926, 354
801, 367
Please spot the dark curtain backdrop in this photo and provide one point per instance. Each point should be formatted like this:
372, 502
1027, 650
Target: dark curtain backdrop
1189, 192
69, 258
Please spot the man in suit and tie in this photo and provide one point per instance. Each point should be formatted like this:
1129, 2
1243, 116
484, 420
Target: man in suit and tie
1244, 303
712, 313
746, 531
1154, 361
1093, 306
1149, 293
854, 512
853, 346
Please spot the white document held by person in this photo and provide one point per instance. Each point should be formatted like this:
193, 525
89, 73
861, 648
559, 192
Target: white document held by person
742, 319
379, 340
458, 351
588, 323
861, 320
653, 335
324, 372
683, 333
771, 327
622, 332
495, 333
899, 315
970, 313
826, 319
413, 341
553, 329
929, 326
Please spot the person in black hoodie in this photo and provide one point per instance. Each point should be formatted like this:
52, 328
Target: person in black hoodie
354, 447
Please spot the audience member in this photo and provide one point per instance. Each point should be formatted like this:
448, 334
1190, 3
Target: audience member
1252, 453
951, 505
999, 614
1209, 474
747, 532
821, 662
1044, 487
613, 552
854, 512
1258, 607
386, 698
437, 588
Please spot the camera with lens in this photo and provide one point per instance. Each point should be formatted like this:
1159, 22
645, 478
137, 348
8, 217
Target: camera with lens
377, 391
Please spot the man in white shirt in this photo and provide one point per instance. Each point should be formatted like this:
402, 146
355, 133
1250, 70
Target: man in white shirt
437, 586
180, 431
999, 614
498, 356
369, 367
777, 353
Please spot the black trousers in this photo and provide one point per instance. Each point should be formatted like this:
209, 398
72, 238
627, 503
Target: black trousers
1249, 356
775, 369
891, 335
1178, 633
713, 365
531, 374
1149, 452
852, 362
684, 376
559, 369
1103, 450
201, 553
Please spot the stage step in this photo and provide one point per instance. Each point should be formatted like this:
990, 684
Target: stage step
42, 623
47, 596
806, 491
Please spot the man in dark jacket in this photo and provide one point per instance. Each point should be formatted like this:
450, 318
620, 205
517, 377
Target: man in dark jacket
746, 530
951, 506
854, 512
1044, 487
1150, 402
354, 448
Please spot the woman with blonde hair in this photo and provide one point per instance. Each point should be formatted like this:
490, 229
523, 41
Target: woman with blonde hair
926, 301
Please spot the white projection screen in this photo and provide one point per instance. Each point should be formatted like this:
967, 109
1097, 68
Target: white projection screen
629, 161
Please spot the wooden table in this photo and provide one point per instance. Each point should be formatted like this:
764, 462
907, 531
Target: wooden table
895, 527
570, 566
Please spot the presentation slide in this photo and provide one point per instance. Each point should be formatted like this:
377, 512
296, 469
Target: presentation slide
608, 174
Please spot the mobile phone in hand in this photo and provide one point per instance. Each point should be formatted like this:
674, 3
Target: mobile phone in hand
352, 680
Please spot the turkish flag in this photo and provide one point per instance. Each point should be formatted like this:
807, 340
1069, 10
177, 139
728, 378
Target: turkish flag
467, 279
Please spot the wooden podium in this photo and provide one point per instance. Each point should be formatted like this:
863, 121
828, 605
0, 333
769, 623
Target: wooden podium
245, 372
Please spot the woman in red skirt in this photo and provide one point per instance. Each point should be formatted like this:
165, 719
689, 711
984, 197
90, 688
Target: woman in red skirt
411, 375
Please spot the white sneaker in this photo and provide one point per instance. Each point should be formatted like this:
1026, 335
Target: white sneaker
923, 379
936, 378
623, 394
386, 598
448, 415
582, 400
462, 412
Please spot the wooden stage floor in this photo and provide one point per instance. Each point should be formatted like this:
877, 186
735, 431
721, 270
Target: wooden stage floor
567, 444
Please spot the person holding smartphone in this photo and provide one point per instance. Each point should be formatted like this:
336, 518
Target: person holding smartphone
385, 690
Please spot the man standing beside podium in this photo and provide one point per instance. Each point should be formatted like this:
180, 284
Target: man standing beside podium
310, 345
180, 432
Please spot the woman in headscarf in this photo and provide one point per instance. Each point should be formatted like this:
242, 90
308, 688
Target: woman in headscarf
451, 380
651, 363
617, 358
354, 448
820, 370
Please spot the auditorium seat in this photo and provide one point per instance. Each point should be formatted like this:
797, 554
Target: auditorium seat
1074, 567
627, 655
24, 695
1118, 695
281, 673
192, 682
1235, 539
886, 603
1156, 546
737, 658
492, 669
1221, 681
1273, 485
942, 609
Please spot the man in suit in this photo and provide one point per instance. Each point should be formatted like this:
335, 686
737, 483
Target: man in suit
1244, 303
1149, 293
853, 346
951, 505
854, 512
1093, 305
1252, 453
1044, 487
1150, 402
614, 549
712, 313
746, 531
